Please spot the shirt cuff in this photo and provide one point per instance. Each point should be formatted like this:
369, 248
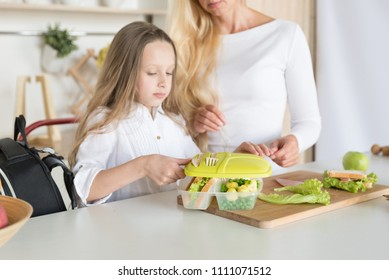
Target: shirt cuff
83, 181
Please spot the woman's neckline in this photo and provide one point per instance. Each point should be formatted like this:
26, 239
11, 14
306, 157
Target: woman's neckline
248, 32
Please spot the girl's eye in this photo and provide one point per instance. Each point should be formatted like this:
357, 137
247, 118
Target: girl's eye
151, 73
169, 73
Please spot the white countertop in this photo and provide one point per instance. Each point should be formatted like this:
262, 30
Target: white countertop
155, 227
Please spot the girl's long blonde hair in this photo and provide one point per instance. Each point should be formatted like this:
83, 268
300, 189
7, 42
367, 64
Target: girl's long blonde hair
197, 41
115, 91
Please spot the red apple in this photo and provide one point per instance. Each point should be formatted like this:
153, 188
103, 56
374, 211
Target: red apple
3, 217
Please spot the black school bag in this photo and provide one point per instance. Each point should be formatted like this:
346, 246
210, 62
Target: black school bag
25, 173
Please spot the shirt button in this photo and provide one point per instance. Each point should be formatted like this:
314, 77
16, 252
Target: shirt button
158, 137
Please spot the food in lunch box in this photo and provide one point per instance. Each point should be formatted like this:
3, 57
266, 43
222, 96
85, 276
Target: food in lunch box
239, 185
238, 194
210, 170
349, 180
201, 184
198, 189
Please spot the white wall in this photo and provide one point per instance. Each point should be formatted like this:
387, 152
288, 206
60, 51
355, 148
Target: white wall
20, 55
352, 75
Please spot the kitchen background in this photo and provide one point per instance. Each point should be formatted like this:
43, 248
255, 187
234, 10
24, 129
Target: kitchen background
348, 39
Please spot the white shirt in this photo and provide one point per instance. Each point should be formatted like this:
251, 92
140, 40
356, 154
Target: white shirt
260, 70
135, 136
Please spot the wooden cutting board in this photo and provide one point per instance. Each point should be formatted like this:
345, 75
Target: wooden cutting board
267, 215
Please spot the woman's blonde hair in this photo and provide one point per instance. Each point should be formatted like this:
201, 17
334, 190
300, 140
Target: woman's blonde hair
197, 41
115, 91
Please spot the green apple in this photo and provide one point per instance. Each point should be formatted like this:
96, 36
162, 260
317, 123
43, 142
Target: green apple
355, 161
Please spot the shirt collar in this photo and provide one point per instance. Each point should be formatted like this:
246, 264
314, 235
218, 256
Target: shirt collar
140, 108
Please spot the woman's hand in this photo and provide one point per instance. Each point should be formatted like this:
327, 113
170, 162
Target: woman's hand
251, 148
285, 151
164, 170
208, 118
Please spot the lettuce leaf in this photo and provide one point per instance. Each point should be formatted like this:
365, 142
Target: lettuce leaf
198, 186
310, 186
321, 198
310, 191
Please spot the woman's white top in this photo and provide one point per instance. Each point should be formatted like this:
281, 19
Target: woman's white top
260, 71
137, 135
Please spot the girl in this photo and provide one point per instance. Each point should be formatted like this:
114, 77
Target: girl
132, 140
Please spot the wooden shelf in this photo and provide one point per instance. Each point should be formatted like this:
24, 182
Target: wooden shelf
79, 9
91, 10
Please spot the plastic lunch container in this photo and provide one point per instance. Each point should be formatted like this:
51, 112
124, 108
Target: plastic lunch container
238, 200
226, 166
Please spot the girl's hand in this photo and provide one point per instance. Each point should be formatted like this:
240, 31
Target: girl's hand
285, 151
164, 170
208, 118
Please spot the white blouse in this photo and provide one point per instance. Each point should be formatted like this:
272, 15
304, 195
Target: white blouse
260, 71
135, 136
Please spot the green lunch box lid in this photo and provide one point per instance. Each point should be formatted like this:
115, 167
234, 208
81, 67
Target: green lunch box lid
229, 165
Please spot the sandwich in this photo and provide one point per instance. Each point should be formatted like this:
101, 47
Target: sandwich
198, 189
349, 180
201, 184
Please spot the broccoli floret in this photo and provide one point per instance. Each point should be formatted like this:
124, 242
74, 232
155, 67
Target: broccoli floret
223, 188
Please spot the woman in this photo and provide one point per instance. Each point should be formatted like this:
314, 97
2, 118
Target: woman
238, 69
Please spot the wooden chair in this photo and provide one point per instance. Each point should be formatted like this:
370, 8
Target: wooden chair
50, 122
61, 148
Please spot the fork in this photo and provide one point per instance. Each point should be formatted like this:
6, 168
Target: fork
211, 160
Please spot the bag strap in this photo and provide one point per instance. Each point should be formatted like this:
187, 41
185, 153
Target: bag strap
53, 161
11, 149
20, 127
